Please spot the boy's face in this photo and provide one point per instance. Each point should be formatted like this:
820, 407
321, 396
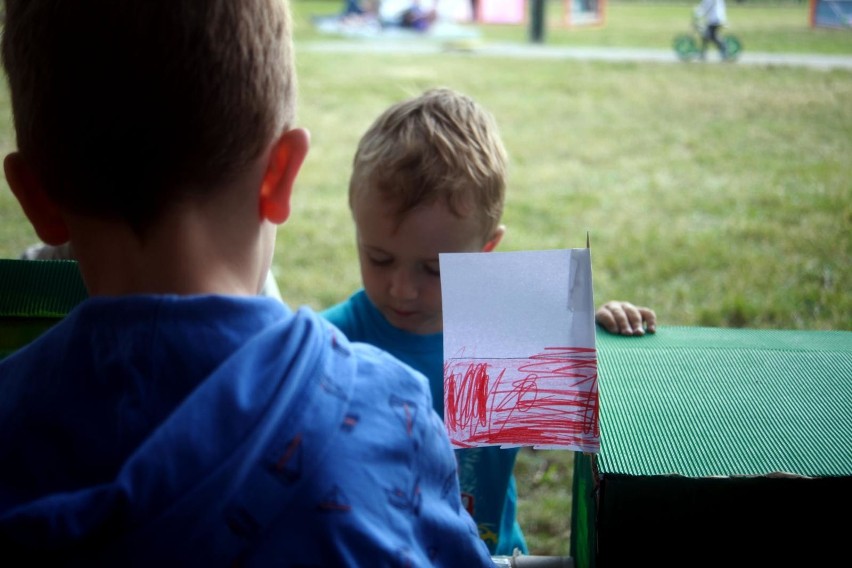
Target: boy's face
399, 261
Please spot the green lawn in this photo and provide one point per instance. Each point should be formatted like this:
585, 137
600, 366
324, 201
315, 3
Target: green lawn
719, 195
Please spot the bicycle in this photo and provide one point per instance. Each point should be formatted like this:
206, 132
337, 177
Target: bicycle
687, 46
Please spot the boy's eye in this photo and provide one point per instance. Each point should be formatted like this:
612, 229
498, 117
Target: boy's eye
433, 270
380, 261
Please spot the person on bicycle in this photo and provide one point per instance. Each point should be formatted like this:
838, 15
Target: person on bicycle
713, 15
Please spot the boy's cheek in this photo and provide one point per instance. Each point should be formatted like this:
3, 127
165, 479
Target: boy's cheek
372, 280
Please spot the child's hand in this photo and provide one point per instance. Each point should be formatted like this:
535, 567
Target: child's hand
626, 319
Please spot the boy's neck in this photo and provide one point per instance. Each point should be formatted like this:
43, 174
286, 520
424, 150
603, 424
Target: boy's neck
191, 254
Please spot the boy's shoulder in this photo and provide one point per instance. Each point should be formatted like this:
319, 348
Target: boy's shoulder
354, 316
375, 364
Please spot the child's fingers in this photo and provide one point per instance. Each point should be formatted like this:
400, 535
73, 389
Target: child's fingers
616, 317
626, 319
650, 319
605, 319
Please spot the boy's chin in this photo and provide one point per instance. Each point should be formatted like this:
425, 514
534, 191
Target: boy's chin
413, 322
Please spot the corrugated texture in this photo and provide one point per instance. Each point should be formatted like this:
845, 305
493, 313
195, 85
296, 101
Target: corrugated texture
703, 402
39, 288
34, 295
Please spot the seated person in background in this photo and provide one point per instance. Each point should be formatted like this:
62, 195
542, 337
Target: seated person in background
353, 7
359, 12
429, 176
414, 14
175, 417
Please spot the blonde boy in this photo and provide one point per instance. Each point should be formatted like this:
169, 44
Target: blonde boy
429, 176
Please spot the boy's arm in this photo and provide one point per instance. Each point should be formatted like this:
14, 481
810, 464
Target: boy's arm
626, 319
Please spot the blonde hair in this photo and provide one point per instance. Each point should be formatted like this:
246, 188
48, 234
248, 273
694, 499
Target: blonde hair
440, 145
124, 107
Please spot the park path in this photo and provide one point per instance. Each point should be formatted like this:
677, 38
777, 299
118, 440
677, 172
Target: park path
544, 51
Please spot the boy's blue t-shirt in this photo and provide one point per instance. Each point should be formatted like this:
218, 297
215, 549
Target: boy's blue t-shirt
222, 431
485, 474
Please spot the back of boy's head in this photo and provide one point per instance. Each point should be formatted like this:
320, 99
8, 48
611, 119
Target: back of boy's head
439, 146
123, 107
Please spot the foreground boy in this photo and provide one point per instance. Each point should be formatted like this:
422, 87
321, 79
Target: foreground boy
429, 176
175, 417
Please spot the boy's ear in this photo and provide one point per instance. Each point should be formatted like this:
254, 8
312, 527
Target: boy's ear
44, 215
285, 160
495, 239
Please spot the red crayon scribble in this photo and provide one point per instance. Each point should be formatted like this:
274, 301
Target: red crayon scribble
548, 399
468, 400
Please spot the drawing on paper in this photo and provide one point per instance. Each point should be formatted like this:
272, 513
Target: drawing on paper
520, 364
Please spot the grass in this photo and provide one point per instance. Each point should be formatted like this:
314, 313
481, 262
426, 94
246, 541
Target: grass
717, 194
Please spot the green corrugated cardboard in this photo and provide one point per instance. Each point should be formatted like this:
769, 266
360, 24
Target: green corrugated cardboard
35, 295
714, 438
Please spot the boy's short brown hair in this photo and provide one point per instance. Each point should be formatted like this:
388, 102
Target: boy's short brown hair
440, 145
124, 107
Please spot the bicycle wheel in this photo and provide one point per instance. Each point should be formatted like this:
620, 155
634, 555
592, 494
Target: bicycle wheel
733, 47
685, 47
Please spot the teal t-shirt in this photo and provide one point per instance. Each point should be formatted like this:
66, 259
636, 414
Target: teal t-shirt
485, 474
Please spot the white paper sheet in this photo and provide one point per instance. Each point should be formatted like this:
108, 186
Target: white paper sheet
520, 365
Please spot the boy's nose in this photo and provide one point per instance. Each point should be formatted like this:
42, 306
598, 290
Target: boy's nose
403, 285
